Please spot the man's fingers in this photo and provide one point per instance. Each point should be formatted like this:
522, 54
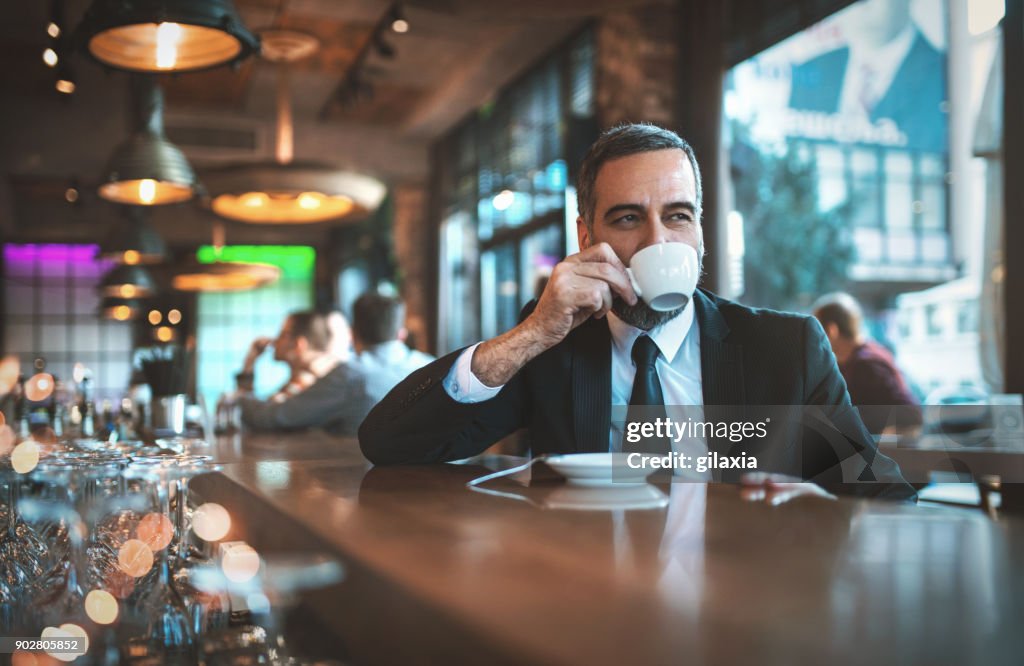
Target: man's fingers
601, 252
615, 278
592, 296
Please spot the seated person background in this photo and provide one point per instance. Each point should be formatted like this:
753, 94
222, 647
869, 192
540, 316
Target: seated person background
872, 378
300, 379
560, 370
378, 334
336, 400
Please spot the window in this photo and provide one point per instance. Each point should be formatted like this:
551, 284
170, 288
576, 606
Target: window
504, 181
839, 146
50, 313
228, 322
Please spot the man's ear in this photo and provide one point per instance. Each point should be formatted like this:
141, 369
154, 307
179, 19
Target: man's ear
403, 334
582, 233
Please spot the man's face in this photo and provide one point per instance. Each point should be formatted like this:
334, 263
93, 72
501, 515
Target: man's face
642, 200
286, 344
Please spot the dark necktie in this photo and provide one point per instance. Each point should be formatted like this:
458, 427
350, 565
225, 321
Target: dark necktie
647, 395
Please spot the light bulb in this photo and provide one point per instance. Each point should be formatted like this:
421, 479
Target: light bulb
147, 190
167, 37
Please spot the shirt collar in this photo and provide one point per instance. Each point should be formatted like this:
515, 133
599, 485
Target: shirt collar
386, 351
669, 336
888, 58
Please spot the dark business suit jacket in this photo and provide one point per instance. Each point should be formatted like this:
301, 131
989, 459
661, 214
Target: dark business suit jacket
914, 99
749, 358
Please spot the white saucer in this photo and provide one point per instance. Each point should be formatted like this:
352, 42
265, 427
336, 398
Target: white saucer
597, 469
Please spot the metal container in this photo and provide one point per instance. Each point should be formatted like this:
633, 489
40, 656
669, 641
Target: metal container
169, 413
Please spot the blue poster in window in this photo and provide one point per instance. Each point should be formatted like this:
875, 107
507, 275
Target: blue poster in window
872, 74
888, 81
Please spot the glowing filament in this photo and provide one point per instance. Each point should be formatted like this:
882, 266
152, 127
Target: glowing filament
147, 190
167, 37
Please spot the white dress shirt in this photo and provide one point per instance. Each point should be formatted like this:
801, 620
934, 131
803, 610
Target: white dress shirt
678, 366
870, 72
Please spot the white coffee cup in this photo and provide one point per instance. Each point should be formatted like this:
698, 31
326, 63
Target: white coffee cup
665, 275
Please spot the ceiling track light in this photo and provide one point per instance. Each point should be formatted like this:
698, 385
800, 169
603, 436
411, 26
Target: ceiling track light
147, 169
383, 48
355, 87
157, 36
65, 83
396, 20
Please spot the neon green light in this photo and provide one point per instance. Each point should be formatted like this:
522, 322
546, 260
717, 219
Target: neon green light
295, 261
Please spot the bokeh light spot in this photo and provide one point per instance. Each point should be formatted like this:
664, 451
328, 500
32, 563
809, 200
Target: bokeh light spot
25, 456
211, 522
156, 530
135, 558
39, 387
241, 563
101, 607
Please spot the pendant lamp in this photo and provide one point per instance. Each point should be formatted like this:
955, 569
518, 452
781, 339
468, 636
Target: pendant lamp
119, 309
155, 36
222, 276
147, 169
128, 281
133, 240
283, 191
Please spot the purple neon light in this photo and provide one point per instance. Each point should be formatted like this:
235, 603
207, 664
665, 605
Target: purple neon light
44, 256
51, 252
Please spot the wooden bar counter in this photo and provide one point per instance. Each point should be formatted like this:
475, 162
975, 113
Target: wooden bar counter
438, 573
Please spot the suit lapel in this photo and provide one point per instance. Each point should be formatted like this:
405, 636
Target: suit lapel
721, 365
592, 386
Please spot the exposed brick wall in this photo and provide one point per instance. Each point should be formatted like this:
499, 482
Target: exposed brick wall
636, 65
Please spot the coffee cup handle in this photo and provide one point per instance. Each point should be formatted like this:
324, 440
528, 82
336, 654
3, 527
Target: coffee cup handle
632, 281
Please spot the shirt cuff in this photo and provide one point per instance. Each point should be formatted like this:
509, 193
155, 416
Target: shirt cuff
462, 385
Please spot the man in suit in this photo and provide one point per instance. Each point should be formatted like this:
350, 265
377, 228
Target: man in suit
576, 353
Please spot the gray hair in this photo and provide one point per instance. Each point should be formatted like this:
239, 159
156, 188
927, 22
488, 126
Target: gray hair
623, 141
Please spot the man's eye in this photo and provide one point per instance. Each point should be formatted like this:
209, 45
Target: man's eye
625, 219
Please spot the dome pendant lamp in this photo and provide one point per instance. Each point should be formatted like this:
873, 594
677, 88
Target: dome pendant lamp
221, 276
283, 191
157, 36
147, 169
133, 240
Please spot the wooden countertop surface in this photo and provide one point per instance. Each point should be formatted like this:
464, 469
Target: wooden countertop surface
438, 572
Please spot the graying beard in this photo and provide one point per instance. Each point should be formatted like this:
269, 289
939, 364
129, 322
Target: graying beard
641, 315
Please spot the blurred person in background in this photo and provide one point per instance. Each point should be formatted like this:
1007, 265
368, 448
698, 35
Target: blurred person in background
871, 375
300, 379
379, 335
325, 391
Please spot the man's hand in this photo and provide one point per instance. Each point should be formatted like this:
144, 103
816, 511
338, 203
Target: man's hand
258, 346
777, 489
580, 287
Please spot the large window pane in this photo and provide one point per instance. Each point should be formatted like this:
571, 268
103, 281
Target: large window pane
870, 91
228, 322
